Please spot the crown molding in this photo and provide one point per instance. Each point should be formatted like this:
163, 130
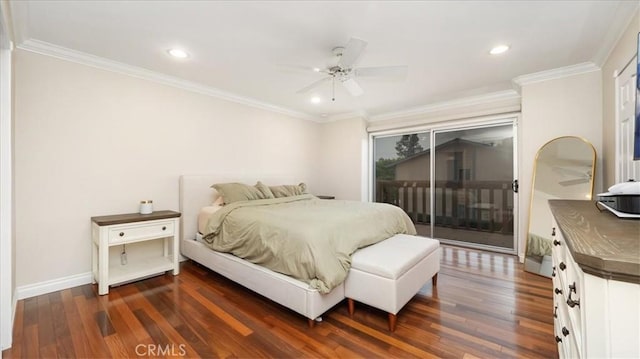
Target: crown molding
48, 49
506, 95
347, 116
555, 74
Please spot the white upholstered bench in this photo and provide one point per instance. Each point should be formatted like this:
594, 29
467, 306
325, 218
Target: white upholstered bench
388, 274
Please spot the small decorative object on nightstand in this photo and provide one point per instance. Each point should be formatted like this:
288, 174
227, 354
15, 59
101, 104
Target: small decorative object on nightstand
123, 229
326, 197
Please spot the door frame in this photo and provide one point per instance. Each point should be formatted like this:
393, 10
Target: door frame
621, 156
7, 299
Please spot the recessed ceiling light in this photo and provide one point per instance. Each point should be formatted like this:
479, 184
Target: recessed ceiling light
179, 53
316, 69
499, 49
316, 99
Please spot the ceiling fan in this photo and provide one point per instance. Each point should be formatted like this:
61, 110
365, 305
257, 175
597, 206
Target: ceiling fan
342, 69
579, 176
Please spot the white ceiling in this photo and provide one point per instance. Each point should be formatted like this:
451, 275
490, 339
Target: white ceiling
236, 47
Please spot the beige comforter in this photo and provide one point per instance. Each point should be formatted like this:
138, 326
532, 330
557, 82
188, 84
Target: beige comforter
302, 236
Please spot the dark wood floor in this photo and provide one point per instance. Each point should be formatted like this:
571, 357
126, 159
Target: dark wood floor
484, 306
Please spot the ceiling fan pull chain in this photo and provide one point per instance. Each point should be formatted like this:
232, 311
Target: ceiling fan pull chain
333, 90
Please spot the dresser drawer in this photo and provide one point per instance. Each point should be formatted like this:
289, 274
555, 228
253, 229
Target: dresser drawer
559, 273
565, 335
132, 233
557, 241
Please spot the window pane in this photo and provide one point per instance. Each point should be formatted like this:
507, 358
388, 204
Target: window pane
473, 195
401, 175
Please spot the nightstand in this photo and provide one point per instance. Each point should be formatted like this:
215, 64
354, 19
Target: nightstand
131, 228
326, 197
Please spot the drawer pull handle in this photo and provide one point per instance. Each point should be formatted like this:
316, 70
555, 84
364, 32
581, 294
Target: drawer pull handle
562, 266
572, 287
556, 242
553, 231
572, 303
553, 274
555, 312
565, 331
121, 234
558, 291
164, 228
558, 339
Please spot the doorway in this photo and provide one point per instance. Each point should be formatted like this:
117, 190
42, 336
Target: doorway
457, 184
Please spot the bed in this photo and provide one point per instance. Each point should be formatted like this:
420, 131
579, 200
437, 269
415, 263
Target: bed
195, 193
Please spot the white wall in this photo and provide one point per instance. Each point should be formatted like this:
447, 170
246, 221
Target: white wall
92, 142
621, 54
569, 106
343, 161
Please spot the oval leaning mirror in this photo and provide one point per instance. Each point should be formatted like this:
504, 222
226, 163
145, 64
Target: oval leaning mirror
563, 169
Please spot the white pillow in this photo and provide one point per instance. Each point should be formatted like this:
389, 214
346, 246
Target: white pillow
205, 213
219, 201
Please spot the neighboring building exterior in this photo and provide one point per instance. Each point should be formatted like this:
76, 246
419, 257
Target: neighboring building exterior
460, 160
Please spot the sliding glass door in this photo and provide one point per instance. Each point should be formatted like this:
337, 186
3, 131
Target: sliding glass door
474, 170
454, 183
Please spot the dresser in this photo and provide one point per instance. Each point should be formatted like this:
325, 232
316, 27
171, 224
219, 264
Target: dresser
596, 281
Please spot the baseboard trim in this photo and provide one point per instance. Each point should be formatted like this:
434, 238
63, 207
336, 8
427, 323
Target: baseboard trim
32, 290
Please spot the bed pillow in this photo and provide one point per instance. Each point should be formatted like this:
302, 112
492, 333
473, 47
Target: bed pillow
264, 189
203, 216
234, 192
288, 190
219, 201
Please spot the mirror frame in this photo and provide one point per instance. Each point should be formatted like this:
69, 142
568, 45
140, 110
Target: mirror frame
533, 183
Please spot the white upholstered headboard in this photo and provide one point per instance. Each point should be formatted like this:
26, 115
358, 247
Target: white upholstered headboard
196, 192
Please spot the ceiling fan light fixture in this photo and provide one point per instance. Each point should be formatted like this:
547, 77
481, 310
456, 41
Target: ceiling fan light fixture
178, 53
500, 49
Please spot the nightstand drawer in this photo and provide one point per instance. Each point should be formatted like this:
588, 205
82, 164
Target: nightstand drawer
131, 233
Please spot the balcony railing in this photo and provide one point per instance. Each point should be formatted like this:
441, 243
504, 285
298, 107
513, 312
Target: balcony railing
485, 206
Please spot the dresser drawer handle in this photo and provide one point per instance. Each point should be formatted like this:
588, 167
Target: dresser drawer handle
553, 274
558, 339
565, 331
558, 291
556, 242
553, 231
555, 312
572, 303
562, 266
121, 234
164, 228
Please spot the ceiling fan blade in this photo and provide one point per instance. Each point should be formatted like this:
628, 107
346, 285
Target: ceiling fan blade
573, 182
351, 52
314, 85
352, 86
382, 71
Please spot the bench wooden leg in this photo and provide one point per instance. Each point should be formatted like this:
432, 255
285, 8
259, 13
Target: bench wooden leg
392, 322
311, 322
434, 279
352, 306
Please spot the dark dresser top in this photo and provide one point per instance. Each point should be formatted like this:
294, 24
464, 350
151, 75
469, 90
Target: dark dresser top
133, 217
601, 243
